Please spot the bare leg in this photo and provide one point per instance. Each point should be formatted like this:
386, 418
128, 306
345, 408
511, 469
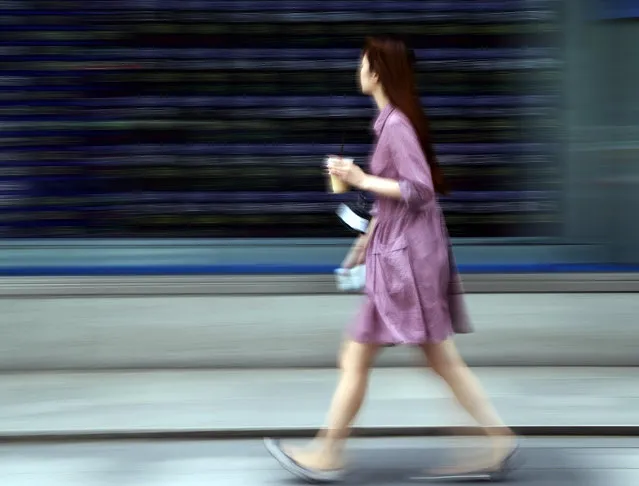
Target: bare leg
445, 360
355, 363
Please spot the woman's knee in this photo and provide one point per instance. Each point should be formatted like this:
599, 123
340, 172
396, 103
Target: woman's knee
356, 357
443, 358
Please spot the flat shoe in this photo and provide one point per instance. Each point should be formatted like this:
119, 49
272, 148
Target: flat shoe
505, 468
313, 476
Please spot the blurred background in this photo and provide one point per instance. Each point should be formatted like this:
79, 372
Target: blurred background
167, 242
183, 134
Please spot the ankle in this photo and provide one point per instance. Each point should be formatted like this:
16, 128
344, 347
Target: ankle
500, 433
331, 447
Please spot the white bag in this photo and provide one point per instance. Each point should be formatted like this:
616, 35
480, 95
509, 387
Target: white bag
351, 279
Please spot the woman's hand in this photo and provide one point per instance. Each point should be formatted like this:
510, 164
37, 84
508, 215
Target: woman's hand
350, 173
357, 253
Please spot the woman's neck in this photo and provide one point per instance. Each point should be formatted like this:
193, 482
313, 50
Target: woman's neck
381, 100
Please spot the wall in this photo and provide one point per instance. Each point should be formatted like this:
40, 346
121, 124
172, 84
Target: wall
602, 120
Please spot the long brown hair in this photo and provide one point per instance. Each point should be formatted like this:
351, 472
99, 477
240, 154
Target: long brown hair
389, 58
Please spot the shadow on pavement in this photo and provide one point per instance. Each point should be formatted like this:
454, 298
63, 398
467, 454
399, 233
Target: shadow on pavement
399, 467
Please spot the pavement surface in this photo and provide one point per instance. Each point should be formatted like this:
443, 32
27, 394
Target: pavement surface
183, 401
387, 462
301, 331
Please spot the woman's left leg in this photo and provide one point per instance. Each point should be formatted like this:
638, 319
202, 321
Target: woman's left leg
446, 361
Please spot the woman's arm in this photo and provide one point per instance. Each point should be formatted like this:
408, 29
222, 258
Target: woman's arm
381, 186
362, 242
357, 254
415, 185
371, 227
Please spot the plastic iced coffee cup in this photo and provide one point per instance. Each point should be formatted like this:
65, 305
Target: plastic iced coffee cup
338, 186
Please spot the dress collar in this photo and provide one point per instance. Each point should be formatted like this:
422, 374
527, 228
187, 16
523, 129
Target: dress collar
381, 118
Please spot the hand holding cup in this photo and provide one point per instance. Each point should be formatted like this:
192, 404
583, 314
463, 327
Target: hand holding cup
344, 173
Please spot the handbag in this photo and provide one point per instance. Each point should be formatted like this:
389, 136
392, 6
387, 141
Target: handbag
351, 279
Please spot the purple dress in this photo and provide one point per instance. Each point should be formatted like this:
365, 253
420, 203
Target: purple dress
413, 291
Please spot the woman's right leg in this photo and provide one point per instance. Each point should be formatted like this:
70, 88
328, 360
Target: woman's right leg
326, 449
446, 361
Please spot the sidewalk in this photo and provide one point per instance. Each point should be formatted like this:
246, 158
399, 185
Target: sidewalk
288, 331
175, 402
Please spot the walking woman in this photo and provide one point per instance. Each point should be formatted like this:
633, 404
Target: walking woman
413, 292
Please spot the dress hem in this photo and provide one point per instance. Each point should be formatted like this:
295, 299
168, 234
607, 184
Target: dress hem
392, 344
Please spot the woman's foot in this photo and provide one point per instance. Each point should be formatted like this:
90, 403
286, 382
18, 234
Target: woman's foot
312, 464
494, 462
315, 455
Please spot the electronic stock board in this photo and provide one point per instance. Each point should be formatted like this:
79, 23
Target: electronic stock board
189, 119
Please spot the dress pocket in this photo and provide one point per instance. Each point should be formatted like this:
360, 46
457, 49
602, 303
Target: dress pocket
394, 267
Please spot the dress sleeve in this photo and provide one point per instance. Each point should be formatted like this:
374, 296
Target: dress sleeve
415, 180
